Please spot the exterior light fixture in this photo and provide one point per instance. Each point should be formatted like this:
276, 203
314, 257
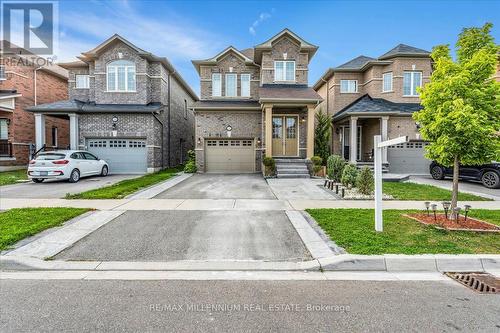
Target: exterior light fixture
229, 128
115, 119
466, 209
446, 206
199, 141
434, 208
258, 141
303, 119
427, 205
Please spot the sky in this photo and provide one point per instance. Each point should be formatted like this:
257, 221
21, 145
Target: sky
187, 30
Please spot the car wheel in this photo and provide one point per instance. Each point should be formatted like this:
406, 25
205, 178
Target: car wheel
37, 180
437, 172
104, 171
491, 179
75, 176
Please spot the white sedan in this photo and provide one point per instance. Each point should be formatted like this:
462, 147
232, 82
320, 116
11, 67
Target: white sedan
66, 164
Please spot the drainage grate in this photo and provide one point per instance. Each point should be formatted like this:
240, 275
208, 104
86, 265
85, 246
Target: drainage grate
481, 282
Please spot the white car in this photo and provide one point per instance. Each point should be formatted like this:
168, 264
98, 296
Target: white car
66, 164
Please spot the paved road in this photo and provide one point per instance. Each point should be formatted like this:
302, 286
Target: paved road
464, 186
58, 189
155, 306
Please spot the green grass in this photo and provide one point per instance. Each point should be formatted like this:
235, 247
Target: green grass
11, 177
19, 223
412, 191
353, 229
126, 187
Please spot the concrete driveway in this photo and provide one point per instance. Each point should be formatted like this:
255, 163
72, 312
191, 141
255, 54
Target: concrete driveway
192, 235
210, 186
464, 186
58, 189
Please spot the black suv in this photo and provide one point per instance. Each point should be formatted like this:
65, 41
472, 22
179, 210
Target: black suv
488, 174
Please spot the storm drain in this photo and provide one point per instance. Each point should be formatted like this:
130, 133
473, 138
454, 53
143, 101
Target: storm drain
481, 282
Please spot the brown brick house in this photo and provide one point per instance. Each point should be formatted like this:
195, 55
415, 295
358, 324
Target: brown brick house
27, 80
377, 96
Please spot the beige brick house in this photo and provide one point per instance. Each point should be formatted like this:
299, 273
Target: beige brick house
370, 96
255, 102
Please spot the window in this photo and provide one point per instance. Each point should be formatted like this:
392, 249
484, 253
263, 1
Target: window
387, 82
77, 156
284, 71
82, 81
231, 85
411, 80
121, 76
54, 136
348, 86
185, 109
4, 129
216, 85
245, 85
89, 156
2, 73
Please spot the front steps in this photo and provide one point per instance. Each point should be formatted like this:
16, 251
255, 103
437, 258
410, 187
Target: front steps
291, 168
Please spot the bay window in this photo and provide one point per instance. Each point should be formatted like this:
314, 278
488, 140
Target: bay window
121, 76
411, 80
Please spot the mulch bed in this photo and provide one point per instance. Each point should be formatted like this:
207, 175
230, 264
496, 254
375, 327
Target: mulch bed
442, 222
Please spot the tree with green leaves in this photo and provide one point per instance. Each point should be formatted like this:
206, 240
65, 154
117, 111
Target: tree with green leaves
461, 111
322, 135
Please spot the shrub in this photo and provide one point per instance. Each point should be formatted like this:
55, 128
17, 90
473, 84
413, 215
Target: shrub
317, 168
349, 175
269, 164
364, 181
191, 155
190, 166
316, 160
335, 166
322, 135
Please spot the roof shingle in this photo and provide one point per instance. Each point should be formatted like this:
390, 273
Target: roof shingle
288, 91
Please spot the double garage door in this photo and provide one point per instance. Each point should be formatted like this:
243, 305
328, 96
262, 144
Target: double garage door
229, 156
123, 155
408, 158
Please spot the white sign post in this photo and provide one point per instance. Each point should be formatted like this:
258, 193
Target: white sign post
378, 144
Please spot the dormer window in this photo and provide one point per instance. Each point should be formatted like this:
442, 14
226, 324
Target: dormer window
284, 71
121, 76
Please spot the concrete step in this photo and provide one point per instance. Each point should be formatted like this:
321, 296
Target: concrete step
289, 160
292, 176
292, 170
292, 173
291, 167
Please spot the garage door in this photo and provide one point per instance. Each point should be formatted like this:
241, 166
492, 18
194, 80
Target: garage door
230, 156
408, 158
122, 155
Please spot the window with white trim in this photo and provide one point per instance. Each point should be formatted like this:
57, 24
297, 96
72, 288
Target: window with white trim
2, 73
245, 85
82, 81
121, 76
348, 86
284, 71
387, 82
4, 129
231, 90
216, 85
411, 80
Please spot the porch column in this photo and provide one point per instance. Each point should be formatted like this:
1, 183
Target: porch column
39, 130
268, 109
384, 133
73, 131
310, 130
353, 145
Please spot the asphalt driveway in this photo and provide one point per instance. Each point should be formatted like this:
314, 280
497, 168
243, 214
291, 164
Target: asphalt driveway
210, 186
192, 235
59, 188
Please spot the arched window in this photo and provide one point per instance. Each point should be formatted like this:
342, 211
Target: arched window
121, 75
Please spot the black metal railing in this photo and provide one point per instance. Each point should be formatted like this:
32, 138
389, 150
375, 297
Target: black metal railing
5, 148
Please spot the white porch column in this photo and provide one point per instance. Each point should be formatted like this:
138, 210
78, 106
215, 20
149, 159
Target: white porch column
384, 134
39, 130
310, 131
353, 144
268, 135
73, 131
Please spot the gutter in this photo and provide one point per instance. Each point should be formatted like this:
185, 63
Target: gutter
34, 82
168, 116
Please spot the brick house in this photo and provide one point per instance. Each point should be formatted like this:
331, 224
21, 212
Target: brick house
27, 80
128, 106
377, 96
255, 102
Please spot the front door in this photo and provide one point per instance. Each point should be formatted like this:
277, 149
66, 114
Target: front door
285, 136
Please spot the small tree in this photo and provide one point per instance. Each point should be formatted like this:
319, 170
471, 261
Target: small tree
190, 166
316, 164
269, 165
461, 113
322, 135
364, 181
334, 167
349, 175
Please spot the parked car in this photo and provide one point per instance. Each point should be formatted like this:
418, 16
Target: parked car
488, 174
66, 164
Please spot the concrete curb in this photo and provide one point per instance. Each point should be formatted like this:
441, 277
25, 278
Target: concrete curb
154, 190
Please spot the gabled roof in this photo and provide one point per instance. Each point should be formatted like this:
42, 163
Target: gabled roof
248, 52
356, 63
9, 94
213, 60
288, 93
96, 50
403, 50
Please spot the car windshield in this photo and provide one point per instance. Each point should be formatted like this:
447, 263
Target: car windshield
49, 157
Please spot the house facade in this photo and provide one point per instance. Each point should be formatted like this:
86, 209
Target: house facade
255, 102
128, 106
25, 81
377, 96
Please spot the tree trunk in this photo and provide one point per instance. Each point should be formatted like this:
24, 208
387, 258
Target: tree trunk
454, 192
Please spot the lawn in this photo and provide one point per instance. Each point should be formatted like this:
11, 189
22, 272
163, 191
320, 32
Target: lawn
126, 187
353, 229
12, 177
413, 191
20, 223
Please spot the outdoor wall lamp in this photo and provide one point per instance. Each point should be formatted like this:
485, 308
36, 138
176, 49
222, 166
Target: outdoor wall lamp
303, 119
258, 141
199, 141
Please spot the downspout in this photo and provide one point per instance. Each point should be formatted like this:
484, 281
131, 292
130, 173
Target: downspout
34, 82
168, 117
162, 126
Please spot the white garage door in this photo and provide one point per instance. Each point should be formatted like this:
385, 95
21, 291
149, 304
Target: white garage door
230, 156
408, 158
123, 155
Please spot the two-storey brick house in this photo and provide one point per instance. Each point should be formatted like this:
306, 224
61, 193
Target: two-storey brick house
377, 96
128, 106
255, 102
